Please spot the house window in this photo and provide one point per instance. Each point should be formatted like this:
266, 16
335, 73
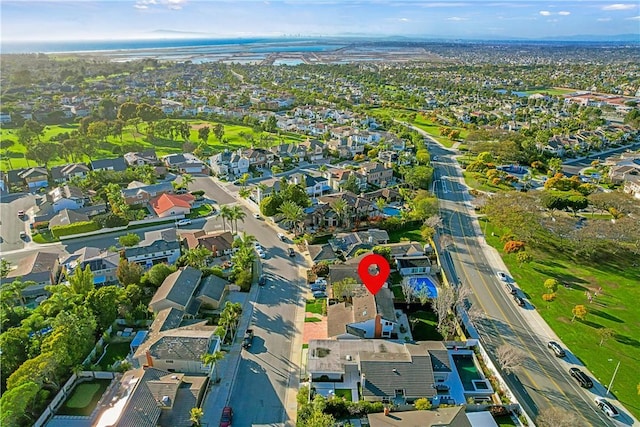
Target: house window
168, 361
399, 392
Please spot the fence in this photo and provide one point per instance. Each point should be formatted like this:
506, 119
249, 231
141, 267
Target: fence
64, 392
100, 344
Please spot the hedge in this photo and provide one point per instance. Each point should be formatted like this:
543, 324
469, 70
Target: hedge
77, 228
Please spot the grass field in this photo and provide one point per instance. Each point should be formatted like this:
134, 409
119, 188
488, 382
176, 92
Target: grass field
423, 326
84, 398
314, 306
132, 141
404, 235
613, 308
480, 182
115, 351
344, 393
550, 91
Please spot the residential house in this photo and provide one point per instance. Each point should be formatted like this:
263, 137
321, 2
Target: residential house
348, 244
293, 152
413, 265
167, 205
376, 174
5, 118
185, 163
64, 173
389, 371
337, 177
66, 217
229, 163
439, 417
358, 208
626, 172
103, 264
34, 178
315, 149
322, 252
220, 243
266, 188
362, 315
177, 291
158, 246
152, 397
212, 291
314, 185
66, 197
347, 148
146, 157
117, 165
39, 267
139, 193
389, 195
259, 157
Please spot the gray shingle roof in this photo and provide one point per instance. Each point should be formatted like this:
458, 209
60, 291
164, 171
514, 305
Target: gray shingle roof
178, 287
212, 287
387, 372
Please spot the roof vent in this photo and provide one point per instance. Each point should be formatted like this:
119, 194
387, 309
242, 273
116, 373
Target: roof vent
395, 371
348, 357
174, 377
166, 400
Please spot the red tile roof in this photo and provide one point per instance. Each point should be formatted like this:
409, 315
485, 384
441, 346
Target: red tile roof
166, 201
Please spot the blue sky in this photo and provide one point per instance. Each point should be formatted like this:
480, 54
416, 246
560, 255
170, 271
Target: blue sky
134, 19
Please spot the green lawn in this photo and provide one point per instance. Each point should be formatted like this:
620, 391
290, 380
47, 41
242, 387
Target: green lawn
404, 235
613, 308
344, 393
115, 351
315, 306
133, 141
84, 398
312, 320
200, 211
480, 182
550, 91
424, 326
397, 292
505, 421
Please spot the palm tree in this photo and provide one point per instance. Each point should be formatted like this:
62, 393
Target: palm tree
225, 214
186, 180
340, 207
380, 204
292, 213
237, 214
248, 239
197, 257
213, 359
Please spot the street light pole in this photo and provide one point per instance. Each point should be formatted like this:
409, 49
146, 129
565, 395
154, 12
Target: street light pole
614, 377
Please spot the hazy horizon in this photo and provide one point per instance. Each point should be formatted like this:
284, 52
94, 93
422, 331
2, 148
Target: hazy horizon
54, 20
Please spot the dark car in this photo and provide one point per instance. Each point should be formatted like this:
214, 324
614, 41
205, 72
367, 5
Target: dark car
557, 350
248, 339
226, 417
262, 281
519, 300
292, 253
581, 377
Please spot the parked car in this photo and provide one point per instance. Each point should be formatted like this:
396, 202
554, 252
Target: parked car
581, 377
292, 253
184, 221
226, 417
23, 235
248, 338
257, 245
257, 216
607, 407
20, 214
261, 253
502, 276
510, 288
519, 300
262, 281
557, 350
281, 237
318, 287
319, 294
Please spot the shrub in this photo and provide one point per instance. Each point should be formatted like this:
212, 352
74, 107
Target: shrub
77, 228
243, 279
41, 224
321, 270
513, 246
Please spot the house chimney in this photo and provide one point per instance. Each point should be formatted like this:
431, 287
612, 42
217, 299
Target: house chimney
149, 358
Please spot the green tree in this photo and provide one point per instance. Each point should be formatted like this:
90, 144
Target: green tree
158, 273
127, 111
203, 133
186, 179
237, 214
341, 208
213, 359
128, 272
98, 130
16, 404
195, 416
129, 240
13, 342
351, 184
226, 214
196, 257
344, 289
385, 251
293, 215
579, 311
422, 404
551, 285
524, 257
81, 281
104, 303
218, 131
605, 334
419, 177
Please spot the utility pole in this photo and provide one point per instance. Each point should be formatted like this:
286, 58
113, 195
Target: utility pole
614, 377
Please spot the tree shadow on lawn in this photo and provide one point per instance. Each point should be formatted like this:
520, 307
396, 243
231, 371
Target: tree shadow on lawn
604, 315
568, 280
623, 339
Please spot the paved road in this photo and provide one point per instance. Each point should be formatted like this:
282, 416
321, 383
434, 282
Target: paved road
543, 381
264, 387
10, 224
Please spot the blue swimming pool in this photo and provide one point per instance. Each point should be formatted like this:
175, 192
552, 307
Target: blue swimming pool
391, 211
424, 283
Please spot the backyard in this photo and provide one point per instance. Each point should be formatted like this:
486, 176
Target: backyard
84, 398
423, 326
615, 280
115, 351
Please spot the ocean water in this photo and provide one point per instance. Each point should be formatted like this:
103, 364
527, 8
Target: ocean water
196, 46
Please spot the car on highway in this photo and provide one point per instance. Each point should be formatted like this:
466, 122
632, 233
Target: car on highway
519, 300
502, 276
606, 407
557, 350
227, 417
581, 377
185, 221
292, 253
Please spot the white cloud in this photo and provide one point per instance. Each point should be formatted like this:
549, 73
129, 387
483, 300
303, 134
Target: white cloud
545, 13
403, 19
141, 6
634, 18
564, 13
457, 18
619, 6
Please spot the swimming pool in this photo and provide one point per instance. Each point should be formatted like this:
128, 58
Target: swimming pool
391, 211
467, 370
423, 283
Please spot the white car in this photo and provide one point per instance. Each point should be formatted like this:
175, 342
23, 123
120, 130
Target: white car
261, 253
257, 216
185, 221
607, 407
257, 245
281, 236
502, 276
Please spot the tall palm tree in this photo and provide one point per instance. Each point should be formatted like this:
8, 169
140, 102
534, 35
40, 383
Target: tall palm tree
225, 214
293, 215
340, 207
248, 239
380, 204
186, 180
213, 359
237, 214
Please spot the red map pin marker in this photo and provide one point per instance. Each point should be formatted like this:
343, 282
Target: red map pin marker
374, 282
